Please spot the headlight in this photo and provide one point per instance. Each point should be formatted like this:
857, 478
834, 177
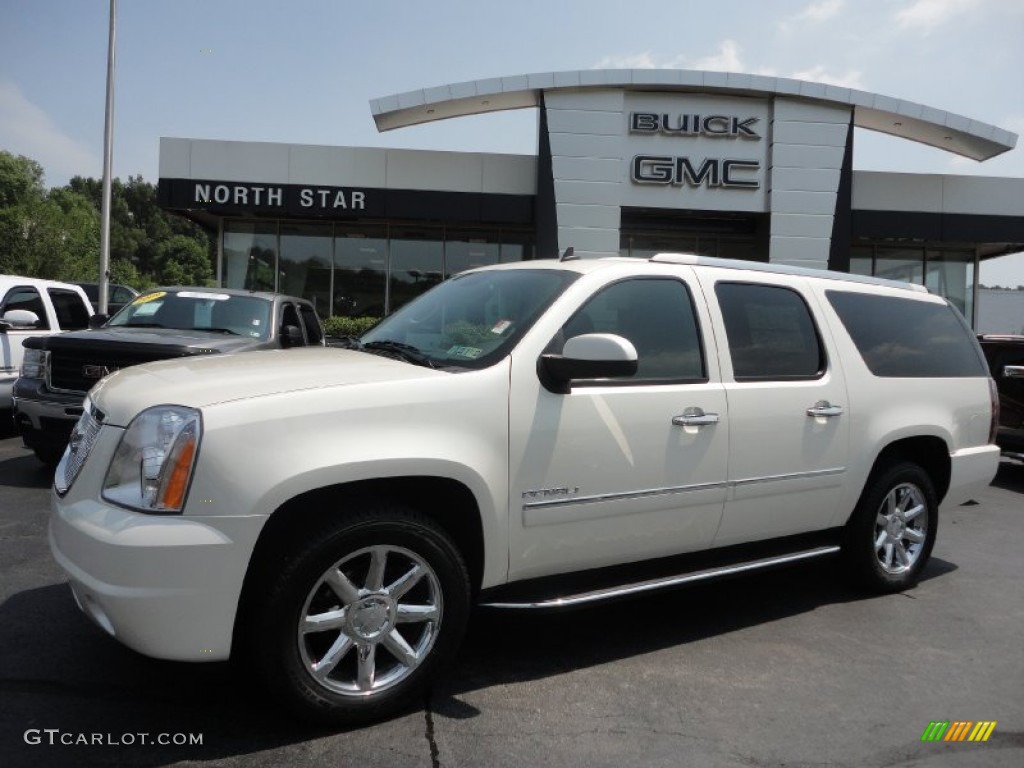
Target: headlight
152, 466
33, 364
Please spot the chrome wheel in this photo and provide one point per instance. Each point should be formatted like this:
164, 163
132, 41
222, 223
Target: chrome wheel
370, 620
901, 528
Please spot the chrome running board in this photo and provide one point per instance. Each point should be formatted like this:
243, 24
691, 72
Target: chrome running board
672, 581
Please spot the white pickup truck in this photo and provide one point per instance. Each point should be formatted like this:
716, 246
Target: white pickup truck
530, 435
33, 307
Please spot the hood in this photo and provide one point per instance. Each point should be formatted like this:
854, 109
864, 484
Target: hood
152, 338
205, 381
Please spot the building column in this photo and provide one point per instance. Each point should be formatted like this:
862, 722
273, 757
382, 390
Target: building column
808, 146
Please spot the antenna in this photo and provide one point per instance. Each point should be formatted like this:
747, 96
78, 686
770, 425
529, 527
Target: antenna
568, 254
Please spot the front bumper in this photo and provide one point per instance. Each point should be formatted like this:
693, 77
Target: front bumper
166, 586
43, 417
6, 385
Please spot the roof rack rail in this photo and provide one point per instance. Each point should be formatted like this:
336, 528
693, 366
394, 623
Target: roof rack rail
693, 259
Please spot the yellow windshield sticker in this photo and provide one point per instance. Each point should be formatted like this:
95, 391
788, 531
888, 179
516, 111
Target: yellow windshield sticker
150, 297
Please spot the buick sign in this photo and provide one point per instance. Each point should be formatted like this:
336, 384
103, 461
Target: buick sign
712, 126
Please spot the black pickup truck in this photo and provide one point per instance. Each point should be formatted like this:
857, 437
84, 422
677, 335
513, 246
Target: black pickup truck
59, 370
1005, 355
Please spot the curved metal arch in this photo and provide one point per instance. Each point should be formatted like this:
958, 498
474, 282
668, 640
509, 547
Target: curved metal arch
896, 117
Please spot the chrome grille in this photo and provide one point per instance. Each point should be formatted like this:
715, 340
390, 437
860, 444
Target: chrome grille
83, 436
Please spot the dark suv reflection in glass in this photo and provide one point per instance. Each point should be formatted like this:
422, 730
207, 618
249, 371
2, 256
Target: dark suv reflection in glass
117, 296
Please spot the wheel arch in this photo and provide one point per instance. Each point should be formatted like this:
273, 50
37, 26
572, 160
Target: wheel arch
459, 516
930, 452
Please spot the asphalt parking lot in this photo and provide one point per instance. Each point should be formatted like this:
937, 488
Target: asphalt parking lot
789, 668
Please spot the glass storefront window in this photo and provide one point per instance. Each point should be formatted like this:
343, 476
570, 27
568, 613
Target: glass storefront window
515, 247
466, 249
746, 249
861, 260
951, 274
360, 271
250, 255
417, 259
305, 268
344, 268
906, 264
643, 246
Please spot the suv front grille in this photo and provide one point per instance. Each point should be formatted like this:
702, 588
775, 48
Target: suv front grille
77, 371
83, 436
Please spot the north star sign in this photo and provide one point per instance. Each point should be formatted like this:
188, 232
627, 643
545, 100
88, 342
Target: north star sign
686, 171
273, 196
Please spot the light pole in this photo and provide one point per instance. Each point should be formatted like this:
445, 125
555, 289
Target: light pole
108, 152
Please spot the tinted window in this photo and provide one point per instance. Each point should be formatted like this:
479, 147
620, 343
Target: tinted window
247, 316
657, 316
290, 316
91, 290
908, 338
770, 331
71, 312
121, 295
311, 323
26, 297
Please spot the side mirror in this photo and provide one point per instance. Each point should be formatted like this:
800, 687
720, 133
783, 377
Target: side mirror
97, 321
590, 356
19, 320
291, 336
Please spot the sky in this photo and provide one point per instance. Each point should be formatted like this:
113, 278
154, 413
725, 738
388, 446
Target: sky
304, 71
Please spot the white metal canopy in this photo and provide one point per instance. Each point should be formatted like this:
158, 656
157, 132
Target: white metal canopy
896, 117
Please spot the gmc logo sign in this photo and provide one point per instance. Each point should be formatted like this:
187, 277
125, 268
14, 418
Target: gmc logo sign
97, 371
681, 171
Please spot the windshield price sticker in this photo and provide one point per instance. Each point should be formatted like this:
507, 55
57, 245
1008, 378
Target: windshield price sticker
470, 353
150, 297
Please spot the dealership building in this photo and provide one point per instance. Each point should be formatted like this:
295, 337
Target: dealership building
629, 162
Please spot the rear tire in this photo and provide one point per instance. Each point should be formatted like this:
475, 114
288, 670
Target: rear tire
362, 616
892, 530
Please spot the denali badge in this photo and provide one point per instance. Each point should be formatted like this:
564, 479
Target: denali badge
98, 371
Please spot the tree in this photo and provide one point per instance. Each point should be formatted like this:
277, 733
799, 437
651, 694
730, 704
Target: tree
138, 226
21, 180
183, 261
55, 234
52, 235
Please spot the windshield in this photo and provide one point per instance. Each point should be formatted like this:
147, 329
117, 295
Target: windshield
246, 316
471, 320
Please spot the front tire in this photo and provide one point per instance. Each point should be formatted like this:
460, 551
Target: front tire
362, 616
892, 531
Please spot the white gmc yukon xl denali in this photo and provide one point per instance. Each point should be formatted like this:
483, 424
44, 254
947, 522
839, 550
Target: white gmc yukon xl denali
537, 434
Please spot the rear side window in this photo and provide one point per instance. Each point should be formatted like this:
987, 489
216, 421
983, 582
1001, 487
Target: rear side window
71, 312
906, 338
771, 333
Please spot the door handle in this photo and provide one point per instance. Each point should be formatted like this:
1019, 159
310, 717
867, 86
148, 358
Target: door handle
695, 417
824, 408
1013, 371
